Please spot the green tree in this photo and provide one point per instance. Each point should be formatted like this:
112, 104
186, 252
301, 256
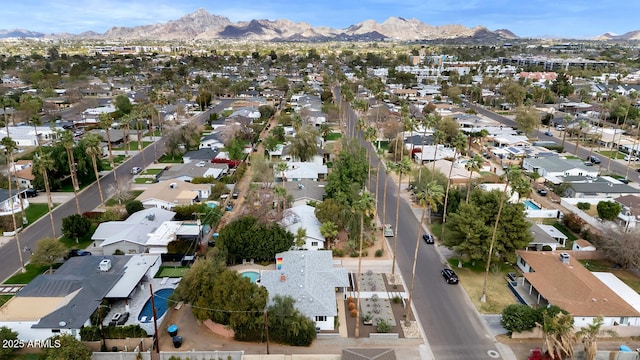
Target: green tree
329, 230
92, 146
287, 325
75, 226
48, 251
8, 336
608, 210
472, 165
559, 337
134, 206
589, 336
246, 238
300, 237
518, 318
65, 347
348, 174
123, 104
304, 145
527, 119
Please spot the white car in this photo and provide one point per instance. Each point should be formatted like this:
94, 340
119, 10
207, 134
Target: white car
630, 158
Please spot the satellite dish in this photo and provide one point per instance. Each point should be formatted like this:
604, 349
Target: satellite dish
62, 323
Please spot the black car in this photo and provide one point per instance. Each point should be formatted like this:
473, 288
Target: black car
542, 192
449, 276
428, 238
29, 193
593, 159
77, 252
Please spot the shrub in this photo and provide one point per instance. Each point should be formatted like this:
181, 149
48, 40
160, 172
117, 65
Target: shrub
352, 306
609, 210
518, 317
382, 326
396, 299
573, 222
354, 313
583, 205
353, 254
133, 206
350, 299
379, 253
338, 252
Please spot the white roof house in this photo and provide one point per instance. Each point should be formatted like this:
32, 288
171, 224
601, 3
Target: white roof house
428, 153
130, 236
303, 216
305, 170
555, 169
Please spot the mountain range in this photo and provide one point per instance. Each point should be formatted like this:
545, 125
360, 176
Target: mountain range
202, 25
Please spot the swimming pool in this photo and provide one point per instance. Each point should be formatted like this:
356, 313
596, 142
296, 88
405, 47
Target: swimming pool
531, 205
253, 276
160, 299
211, 204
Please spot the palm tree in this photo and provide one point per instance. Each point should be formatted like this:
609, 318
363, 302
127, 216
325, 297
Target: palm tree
280, 193
43, 163
566, 119
472, 165
430, 121
35, 121
124, 126
458, 143
329, 230
388, 167
589, 335
365, 206
438, 138
513, 176
581, 125
559, 338
282, 168
401, 168
69, 142
370, 134
92, 146
10, 146
105, 121
430, 197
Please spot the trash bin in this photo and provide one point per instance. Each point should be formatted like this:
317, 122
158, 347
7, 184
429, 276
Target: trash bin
114, 349
177, 341
173, 330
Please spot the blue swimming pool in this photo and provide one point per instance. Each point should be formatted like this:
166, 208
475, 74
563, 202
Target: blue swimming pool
160, 298
251, 275
531, 205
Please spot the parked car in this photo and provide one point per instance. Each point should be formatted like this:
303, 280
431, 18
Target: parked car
388, 231
542, 192
450, 276
77, 252
29, 193
560, 127
593, 159
428, 238
548, 133
630, 158
136, 170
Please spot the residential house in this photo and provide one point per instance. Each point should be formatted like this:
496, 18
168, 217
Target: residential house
600, 187
628, 217
303, 217
158, 241
459, 174
22, 172
551, 278
25, 135
212, 141
9, 202
583, 245
547, 236
304, 170
555, 170
129, 236
500, 187
203, 154
188, 171
62, 302
305, 190
168, 194
427, 154
310, 278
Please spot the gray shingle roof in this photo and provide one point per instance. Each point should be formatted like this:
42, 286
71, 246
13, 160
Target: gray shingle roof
309, 278
556, 164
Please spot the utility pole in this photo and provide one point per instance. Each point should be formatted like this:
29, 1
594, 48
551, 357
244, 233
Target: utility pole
266, 328
155, 322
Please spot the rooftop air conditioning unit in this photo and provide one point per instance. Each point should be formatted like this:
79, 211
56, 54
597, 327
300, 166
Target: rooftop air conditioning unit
564, 258
105, 265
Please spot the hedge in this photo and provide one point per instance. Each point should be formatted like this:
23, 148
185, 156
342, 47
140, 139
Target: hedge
92, 333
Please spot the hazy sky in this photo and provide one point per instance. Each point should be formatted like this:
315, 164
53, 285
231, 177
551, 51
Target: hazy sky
526, 18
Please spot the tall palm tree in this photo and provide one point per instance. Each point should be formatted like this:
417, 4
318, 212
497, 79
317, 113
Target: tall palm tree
458, 143
581, 125
69, 142
280, 193
366, 207
149, 111
105, 121
92, 146
370, 135
10, 146
513, 176
388, 167
42, 163
566, 119
473, 165
124, 126
438, 138
589, 335
282, 168
430, 121
401, 168
430, 197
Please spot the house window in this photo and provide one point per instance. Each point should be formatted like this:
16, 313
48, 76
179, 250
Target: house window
314, 243
522, 262
321, 318
55, 331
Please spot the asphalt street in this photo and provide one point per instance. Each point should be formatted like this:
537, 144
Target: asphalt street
452, 326
89, 199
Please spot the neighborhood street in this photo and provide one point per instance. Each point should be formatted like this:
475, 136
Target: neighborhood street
89, 199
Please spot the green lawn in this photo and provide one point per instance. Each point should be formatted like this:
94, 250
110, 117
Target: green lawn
166, 159
172, 271
32, 272
4, 299
143, 180
333, 136
571, 237
36, 211
152, 172
113, 202
612, 154
133, 145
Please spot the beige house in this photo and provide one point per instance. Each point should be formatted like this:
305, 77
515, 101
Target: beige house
168, 194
